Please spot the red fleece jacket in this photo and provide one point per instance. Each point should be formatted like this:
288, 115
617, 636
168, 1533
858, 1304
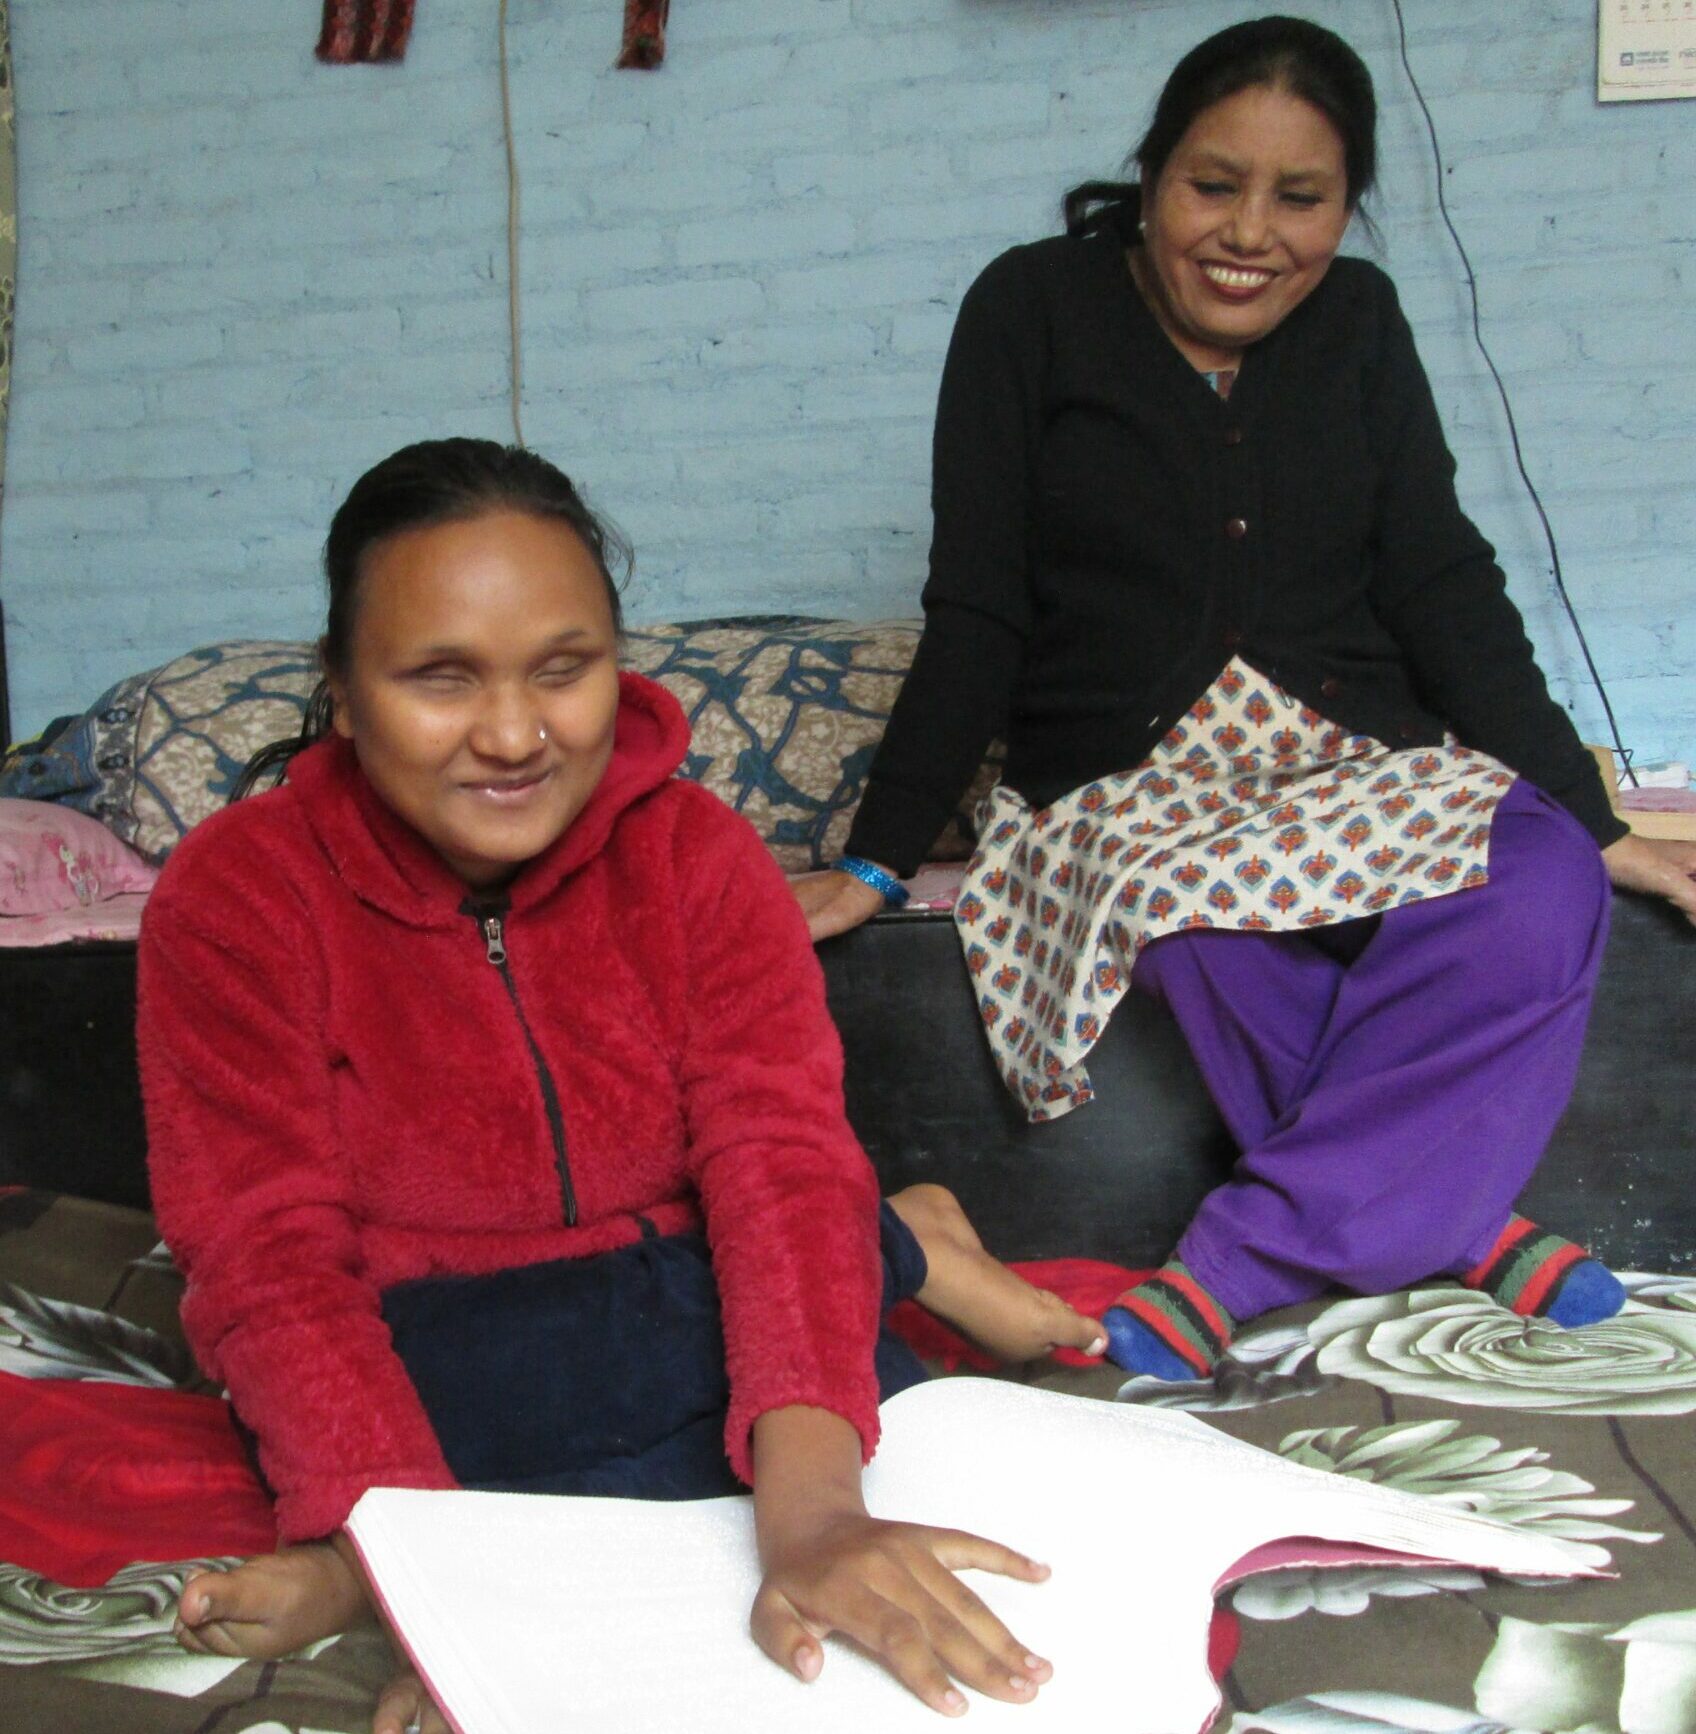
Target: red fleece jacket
340, 1096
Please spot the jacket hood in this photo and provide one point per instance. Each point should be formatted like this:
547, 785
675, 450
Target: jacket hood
389, 865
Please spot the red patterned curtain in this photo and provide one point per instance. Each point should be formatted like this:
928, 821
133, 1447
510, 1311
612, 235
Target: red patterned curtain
364, 30
356, 30
644, 33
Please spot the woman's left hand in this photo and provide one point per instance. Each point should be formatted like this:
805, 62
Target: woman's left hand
406, 1707
891, 1588
1662, 866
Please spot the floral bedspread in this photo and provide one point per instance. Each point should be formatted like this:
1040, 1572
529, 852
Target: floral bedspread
1584, 1434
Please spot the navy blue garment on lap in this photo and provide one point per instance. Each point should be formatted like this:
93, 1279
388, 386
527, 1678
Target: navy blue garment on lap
600, 1375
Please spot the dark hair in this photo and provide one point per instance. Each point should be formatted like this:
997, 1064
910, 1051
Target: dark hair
432, 482
1292, 54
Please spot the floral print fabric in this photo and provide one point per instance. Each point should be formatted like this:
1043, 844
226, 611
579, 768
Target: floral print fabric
1432, 1391
1254, 814
1436, 1391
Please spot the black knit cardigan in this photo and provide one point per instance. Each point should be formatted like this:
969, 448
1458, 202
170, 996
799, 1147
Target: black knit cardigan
1109, 532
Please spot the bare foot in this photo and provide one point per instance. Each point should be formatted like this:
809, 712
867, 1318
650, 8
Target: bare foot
275, 1604
979, 1295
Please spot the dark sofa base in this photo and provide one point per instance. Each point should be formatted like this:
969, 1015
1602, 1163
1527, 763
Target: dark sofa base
70, 1105
1116, 1180
1119, 1179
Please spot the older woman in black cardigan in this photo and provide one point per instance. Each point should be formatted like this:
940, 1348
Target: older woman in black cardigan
1278, 752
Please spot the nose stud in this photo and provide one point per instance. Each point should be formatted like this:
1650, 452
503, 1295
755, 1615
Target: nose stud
542, 736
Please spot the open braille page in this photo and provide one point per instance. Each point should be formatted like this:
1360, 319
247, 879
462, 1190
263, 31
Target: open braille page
529, 1613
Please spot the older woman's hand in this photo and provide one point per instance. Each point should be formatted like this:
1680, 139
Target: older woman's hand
833, 902
1662, 866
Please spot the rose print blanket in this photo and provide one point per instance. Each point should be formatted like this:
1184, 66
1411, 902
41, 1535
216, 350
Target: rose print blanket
1586, 1434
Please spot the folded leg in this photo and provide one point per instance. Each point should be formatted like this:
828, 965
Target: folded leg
1390, 1110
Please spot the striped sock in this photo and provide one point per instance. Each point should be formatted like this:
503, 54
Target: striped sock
1539, 1275
1167, 1326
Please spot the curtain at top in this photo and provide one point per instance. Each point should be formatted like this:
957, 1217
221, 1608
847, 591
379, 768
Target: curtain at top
8, 223
8, 285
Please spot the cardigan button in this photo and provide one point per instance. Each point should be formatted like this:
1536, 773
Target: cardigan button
1233, 636
1407, 731
1330, 686
1236, 528
1233, 436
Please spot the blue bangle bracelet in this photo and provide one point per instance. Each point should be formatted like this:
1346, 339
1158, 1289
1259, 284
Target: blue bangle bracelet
886, 885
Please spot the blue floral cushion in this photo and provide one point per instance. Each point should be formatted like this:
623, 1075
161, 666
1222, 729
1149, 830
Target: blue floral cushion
162, 750
786, 713
65, 767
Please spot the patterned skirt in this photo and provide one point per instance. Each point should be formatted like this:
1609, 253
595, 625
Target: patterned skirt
1253, 814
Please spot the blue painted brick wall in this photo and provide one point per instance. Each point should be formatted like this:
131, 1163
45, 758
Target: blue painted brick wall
245, 276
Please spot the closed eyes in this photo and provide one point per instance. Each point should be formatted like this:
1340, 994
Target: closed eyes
1297, 198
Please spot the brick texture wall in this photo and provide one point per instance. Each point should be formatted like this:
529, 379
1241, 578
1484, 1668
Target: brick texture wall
245, 276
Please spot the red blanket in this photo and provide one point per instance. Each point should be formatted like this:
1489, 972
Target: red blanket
1085, 1283
95, 1477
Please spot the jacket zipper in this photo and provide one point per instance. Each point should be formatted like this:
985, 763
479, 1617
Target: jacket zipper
491, 922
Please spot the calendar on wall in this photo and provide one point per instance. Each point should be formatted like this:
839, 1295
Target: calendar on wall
1645, 49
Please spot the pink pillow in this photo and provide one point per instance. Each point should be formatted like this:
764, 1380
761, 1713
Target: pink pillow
53, 858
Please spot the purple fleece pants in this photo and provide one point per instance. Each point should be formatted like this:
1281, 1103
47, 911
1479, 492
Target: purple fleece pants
1389, 1107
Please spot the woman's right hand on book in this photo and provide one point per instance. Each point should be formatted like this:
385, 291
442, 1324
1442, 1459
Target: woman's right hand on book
830, 1567
892, 1589
833, 902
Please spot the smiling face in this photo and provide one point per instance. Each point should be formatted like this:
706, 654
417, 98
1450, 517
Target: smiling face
1243, 222
481, 685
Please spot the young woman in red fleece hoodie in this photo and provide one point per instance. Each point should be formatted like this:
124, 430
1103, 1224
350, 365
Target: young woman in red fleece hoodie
495, 1115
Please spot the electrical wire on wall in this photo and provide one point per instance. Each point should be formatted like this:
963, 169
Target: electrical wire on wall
516, 369
1507, 408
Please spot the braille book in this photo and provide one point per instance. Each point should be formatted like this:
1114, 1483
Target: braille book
525, 1612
